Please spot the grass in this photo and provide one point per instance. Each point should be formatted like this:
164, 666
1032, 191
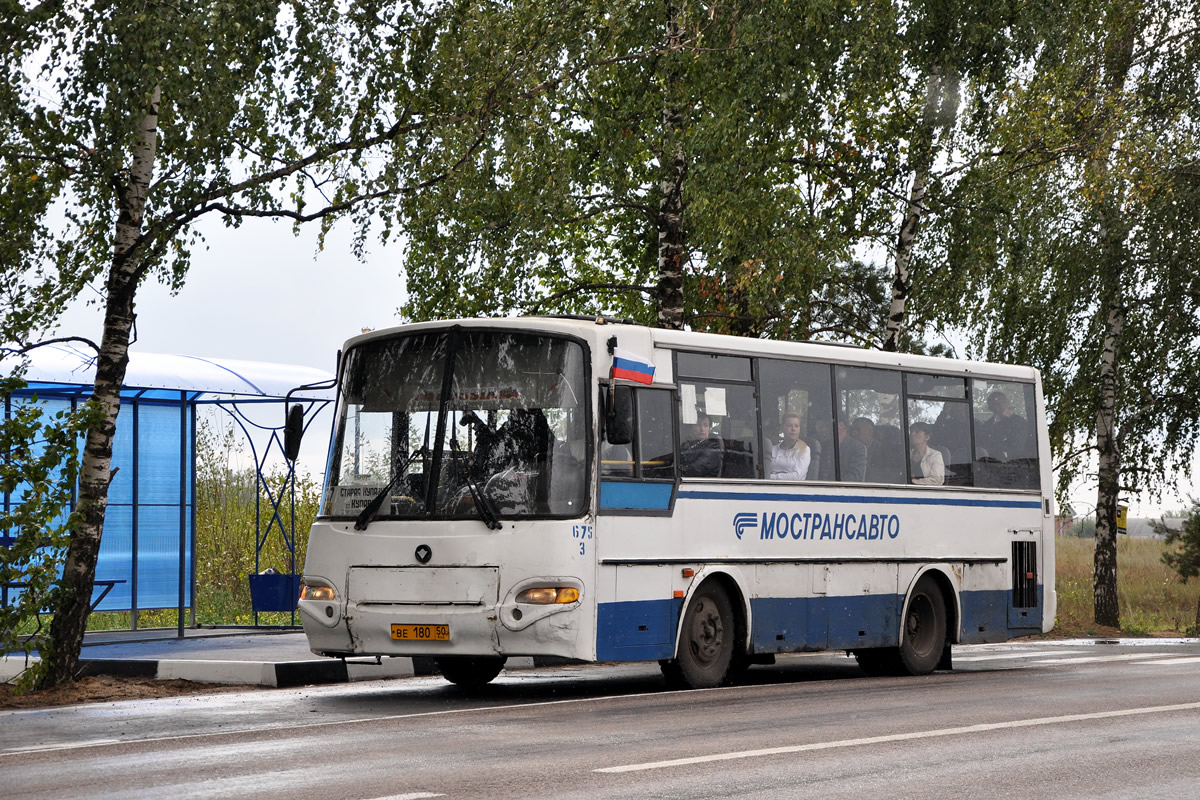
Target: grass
1154, 600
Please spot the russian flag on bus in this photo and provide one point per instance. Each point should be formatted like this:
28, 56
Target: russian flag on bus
631, 367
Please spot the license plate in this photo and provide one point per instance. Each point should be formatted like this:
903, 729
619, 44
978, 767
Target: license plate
421, 633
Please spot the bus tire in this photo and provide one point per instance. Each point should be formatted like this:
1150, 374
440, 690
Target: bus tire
707, 640
470, 672
924, 629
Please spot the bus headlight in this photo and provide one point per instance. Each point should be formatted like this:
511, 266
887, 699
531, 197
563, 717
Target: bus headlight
548, 595
311, 589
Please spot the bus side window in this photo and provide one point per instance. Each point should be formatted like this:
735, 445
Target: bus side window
1005, 440
941, 403
656, 445
801, 389
718, 430
868, 403
644, 446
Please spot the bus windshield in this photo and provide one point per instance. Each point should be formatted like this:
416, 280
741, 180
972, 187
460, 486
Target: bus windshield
461, 424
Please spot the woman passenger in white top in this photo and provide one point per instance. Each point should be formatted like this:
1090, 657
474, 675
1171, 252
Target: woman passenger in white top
927, 465
789, 458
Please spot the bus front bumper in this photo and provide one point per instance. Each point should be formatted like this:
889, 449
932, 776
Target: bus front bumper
379, 629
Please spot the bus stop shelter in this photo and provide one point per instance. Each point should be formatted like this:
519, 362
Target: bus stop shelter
147, 551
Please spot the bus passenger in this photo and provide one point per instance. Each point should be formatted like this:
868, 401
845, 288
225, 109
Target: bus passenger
1006, 434
789, 458
927, 465
700, 455
852, 454
853, 449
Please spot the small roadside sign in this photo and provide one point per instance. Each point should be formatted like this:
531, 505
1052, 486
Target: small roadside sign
1122, 518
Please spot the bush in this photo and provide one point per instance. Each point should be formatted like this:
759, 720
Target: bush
1183, 552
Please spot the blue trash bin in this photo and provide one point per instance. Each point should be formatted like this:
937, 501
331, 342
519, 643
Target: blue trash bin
274, 591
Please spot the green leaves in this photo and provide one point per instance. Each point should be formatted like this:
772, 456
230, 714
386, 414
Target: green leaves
557, 205
1083, 198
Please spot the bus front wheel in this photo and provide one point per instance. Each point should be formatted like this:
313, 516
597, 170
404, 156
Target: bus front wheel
470, 672
707, 641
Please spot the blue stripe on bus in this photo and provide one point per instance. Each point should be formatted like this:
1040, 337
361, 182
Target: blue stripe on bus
880, 499
645, 630
633, 495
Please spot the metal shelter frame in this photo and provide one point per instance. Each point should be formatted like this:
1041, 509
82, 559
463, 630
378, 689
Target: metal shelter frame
274, 501
155, 386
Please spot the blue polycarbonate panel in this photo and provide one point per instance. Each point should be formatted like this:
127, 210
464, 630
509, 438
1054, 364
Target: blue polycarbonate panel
158, 557
116, 557
159, 467
121, 489
152, 465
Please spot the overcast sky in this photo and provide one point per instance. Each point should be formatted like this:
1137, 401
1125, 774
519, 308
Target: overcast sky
260, 294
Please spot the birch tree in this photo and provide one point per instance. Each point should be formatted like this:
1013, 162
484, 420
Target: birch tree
125, 123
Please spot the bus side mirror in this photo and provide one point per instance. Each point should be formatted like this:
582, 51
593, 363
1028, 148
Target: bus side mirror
293, 432
618, 421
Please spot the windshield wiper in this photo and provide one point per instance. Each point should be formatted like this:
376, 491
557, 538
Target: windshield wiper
367, 514
483, 503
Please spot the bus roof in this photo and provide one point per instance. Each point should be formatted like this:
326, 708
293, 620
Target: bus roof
599, 329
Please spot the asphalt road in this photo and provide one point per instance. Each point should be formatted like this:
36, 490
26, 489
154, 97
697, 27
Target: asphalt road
1045, 719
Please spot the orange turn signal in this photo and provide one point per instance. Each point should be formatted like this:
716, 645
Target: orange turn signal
548, 595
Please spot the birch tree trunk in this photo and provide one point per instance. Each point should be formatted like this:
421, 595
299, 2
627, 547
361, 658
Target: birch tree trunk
1106, 608
671, 233
1112, 233
939, 112
1104, 583
95, 472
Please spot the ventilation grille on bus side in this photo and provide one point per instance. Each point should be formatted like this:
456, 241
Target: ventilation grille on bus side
1024, 579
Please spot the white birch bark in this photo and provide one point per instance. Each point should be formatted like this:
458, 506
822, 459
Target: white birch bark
933, 115
1104, 584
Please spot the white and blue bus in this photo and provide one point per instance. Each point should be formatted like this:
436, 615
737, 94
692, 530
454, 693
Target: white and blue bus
609, 492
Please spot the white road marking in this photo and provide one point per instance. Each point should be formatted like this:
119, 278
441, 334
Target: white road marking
1182, 660
67, 746
898, 737
1094, 659
409, 796
1016, 654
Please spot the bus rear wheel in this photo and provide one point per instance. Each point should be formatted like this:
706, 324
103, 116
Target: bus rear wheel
470, 672
707, 642
924, 629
